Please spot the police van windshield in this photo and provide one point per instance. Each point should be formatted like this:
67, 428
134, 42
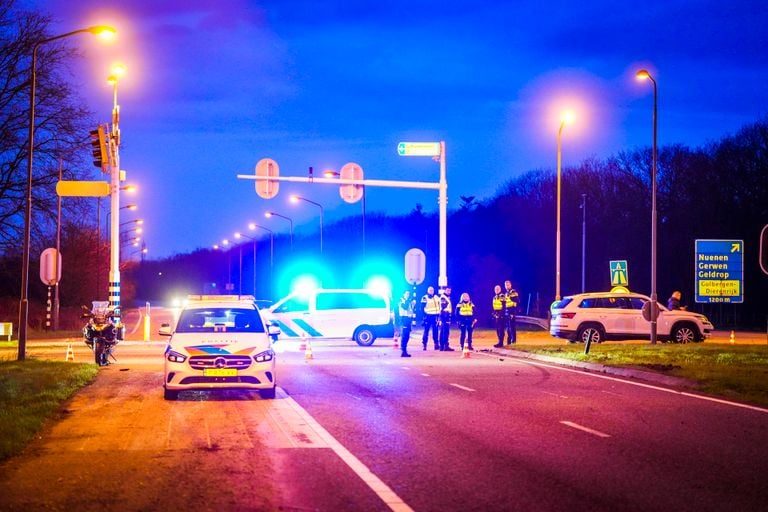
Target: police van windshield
220, 320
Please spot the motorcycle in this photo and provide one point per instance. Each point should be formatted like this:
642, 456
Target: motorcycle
100, 334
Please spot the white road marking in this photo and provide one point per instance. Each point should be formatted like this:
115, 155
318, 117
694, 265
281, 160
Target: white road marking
382, 490
554, 394
355, 397
461, 387
650, 386
425, 375
585, 429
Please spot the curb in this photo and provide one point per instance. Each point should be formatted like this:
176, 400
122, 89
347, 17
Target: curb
628, 373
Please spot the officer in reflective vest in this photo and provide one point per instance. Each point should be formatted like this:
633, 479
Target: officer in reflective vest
510, 311
499, 320
407, 314
430, 308
446, 311
465, 310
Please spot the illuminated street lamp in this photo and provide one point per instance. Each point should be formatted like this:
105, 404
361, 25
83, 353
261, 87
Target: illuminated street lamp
252, 226
645, 75
273, 214
567, 118
239, 235
100, 30
295, 198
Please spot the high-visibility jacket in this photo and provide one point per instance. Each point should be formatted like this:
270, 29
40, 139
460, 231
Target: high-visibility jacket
511, 304
430, 305
499, 301
446, 308
406, 312
466, 308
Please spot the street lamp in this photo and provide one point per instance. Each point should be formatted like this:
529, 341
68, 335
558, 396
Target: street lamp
132, 207
252, 226
295, 198
273, 214
567, 118
239, 235
654, 311
105, 32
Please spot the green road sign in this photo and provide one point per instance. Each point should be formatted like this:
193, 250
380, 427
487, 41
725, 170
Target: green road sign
619, 273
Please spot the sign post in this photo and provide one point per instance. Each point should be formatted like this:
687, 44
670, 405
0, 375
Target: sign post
719, 271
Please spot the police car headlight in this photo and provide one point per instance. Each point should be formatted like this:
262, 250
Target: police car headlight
265, 356
175, 357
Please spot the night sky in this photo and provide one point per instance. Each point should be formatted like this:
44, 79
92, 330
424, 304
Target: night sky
212, 87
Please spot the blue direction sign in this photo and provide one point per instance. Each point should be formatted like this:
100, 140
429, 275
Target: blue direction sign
720, 271
619, 273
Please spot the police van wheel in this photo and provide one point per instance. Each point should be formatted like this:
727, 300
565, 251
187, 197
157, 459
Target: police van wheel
364, 336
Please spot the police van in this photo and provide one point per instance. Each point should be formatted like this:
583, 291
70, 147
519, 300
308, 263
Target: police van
219, 342
359, 314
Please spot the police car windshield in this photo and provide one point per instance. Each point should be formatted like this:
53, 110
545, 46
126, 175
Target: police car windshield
220, 320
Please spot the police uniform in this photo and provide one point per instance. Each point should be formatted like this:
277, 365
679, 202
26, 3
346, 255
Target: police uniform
430, 307
405, 310
466, 315
510, 313
499, 300
446, 309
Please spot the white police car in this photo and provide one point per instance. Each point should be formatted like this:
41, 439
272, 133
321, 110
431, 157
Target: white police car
219, 342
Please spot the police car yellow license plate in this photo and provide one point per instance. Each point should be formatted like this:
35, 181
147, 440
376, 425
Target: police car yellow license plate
220, 372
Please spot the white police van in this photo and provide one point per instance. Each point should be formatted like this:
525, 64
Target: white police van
360, 314
219, 342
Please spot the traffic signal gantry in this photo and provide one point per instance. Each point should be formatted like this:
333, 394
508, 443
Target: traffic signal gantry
267, 178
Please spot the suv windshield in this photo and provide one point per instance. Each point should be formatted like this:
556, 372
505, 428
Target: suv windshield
220, 320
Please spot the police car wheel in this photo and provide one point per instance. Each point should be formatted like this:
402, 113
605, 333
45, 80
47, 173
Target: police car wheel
364, 337
170, 394
268, 394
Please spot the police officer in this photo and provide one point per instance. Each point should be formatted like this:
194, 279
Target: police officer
446, 310
510, 311
499, 320
407, 315
465, 310
430, 309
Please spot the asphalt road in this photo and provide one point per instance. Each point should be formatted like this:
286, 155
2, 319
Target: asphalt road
363, 429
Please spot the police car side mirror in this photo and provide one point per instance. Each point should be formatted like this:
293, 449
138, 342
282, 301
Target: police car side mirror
273, 330
165, 330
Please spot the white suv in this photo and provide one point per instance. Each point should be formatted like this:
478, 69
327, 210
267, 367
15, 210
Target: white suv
219, 342
597, 317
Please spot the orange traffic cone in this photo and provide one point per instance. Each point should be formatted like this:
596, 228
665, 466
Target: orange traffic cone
308, 351
733, 336
396, 344
303, 345
70, 353
465, 353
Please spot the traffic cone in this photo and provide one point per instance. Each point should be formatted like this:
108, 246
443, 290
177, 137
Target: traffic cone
396, 344
70, 353
733, 337
303, 345
308, 351
465, 353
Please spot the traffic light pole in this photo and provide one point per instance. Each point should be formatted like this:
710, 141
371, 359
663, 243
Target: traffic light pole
114, 266
441, 186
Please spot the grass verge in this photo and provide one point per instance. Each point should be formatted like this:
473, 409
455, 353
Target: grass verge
739, 372
32, 391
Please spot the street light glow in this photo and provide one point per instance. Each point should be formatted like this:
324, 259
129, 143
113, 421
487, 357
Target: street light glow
105, 32
567, 117
643, 74
268, 214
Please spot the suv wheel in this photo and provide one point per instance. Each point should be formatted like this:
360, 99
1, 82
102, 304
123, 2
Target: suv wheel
591, 333
684, 333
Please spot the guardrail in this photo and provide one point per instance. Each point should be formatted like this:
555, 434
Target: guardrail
533, 320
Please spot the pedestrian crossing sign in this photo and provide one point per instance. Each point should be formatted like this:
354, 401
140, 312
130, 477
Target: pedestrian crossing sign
619, 273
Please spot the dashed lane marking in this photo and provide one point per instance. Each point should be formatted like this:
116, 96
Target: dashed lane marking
462, 387
425, 375
585, 429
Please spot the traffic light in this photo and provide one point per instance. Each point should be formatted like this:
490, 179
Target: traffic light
99, 149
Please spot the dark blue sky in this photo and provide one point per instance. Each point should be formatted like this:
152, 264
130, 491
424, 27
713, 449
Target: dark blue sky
212, 87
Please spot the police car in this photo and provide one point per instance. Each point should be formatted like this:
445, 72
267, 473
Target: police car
219, 342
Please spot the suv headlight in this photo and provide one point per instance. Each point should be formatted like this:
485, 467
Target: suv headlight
175, 357
265, 356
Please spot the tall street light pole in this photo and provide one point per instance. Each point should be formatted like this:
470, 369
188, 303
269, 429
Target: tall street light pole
114, 144
654, 310
567, 118
24, 301
583, 241
290, 220
296, 198
239, 235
